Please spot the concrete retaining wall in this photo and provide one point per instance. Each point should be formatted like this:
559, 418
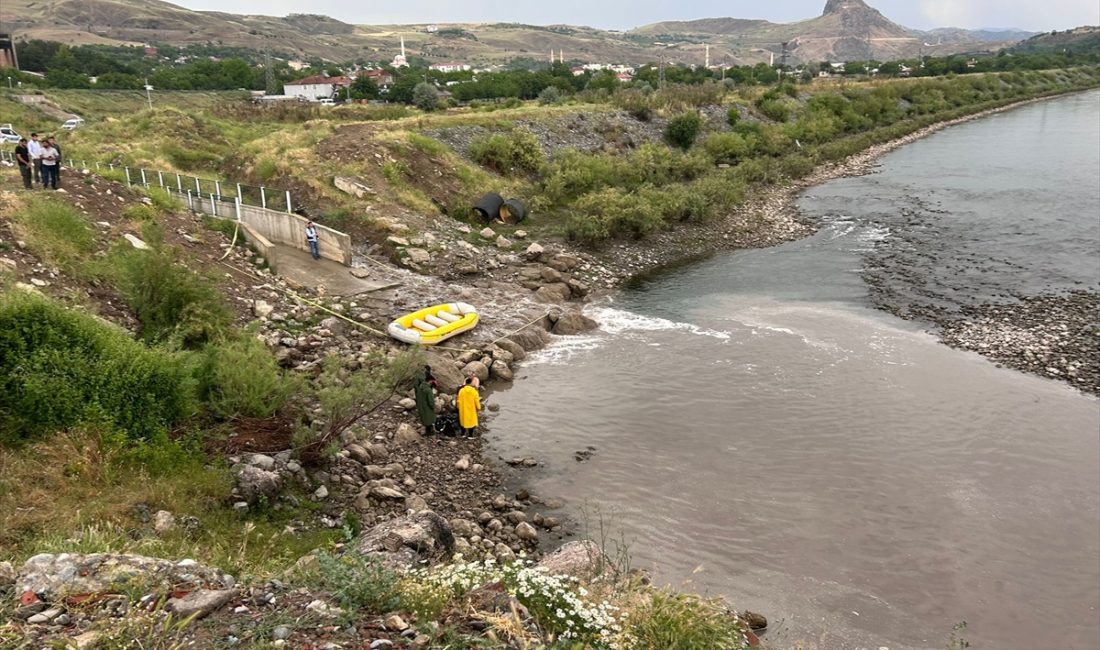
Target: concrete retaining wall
290, 229
263, 246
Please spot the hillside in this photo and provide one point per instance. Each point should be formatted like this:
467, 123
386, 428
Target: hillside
847, 29
1085, 39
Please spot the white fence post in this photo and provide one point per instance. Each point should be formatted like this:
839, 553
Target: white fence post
198, 189
127, 170
239, 190
160, 178
179, 183
288, 208
213, 206
144, 183
237, 205
190, 201
263, 197
218, 188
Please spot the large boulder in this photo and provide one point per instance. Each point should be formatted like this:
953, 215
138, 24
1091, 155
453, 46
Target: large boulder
255, 484
407, 541
518, 353
573, 322
449, 377
477, 369
551, 293
531, 338
581, 559
56, 576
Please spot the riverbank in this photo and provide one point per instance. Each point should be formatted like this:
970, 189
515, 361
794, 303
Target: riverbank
770, 217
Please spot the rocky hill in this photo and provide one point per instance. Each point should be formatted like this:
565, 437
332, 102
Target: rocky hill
847, 29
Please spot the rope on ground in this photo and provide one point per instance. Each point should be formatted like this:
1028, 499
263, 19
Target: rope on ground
372, 330
232, 244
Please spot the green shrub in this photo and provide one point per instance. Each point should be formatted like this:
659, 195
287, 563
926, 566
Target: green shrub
59, 368
572, 174
733, 115
190, 159
358, 582
266, 169
676, 621
167, 298
624, 214
682, 129
635, 101
728, 147
550, 95
241, 378
56, 232
517, 152
774, 109
140, 212
425, 96
586, 230
163, 201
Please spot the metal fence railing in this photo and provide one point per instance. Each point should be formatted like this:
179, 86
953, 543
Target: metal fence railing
185, 186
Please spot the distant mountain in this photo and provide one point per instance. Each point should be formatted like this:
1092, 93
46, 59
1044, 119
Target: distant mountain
846, 30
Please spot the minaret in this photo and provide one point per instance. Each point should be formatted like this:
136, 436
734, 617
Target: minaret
561, 56
707, 64
402, 47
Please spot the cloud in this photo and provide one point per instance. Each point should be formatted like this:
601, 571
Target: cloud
947, 12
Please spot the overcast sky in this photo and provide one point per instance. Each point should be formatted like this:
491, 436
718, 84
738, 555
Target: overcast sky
1033, 15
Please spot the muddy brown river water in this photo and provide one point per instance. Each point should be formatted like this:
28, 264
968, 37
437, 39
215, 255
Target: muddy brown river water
766, 434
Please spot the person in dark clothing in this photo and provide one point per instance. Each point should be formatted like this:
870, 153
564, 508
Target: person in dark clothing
52, 142
425, 401
23, 160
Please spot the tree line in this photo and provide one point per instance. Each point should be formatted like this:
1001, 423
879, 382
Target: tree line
128, 68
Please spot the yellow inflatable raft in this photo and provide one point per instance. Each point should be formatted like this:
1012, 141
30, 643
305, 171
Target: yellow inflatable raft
434, 324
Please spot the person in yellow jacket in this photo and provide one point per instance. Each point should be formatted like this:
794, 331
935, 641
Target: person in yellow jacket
469, 403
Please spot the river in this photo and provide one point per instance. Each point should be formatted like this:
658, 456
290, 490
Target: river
764, 433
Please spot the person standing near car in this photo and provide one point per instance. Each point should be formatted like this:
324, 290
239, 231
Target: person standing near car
50, 160
35, 149
23, 160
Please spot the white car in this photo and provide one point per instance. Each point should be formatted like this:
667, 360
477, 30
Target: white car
8, 134
73, 123
327, 101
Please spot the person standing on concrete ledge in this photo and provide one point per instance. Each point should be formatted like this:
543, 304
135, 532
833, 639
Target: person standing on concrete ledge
314, 243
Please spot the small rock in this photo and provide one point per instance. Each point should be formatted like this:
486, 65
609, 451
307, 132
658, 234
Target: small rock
503, 242
281, 633
395, 622
407, 403
488, 233
320, 493
520, 234
201, 602
163, 522
533, 251
406, 434
526, 532
262, 309
463, 463
381, 644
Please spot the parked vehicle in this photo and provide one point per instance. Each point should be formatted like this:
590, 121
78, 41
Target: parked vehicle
327, 101
8, 134
73, 123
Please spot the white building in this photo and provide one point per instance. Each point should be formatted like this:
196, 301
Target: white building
315, 87
451, 66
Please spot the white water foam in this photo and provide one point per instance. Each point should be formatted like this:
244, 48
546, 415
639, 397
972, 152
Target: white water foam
618, 321
613, 322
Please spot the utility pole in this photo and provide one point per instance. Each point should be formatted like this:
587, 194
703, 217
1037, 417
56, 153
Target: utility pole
148, 95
